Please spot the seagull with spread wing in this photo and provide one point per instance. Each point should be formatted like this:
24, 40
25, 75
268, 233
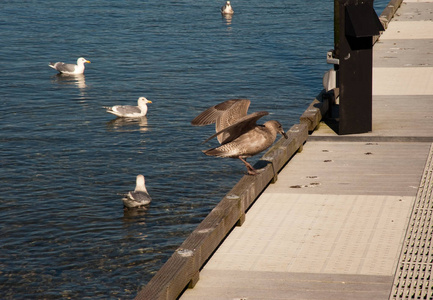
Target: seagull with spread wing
238, 133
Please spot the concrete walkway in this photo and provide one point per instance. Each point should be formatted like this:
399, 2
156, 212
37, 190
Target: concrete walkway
345, 214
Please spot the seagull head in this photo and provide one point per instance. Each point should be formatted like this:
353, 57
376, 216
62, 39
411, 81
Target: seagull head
143, 100
82, 60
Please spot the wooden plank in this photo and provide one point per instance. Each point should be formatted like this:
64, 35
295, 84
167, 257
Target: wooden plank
389, 11
316, 110
181, 269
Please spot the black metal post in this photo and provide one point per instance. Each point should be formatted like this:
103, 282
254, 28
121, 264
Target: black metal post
357, 24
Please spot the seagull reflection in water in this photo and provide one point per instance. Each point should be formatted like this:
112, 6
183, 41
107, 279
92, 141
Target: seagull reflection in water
228, 19
134, 216
128, 124
79, 80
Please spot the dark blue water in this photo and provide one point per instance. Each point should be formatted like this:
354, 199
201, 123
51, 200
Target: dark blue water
64, 160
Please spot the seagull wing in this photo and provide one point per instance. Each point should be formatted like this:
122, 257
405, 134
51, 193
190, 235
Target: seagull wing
235, 130
62, 67
127, 109
140, 197
237, 107
223, 115
136, 199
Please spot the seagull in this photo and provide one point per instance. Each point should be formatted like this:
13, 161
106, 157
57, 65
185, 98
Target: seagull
70, 69
239, 135
129, 111
227, 9
139, 197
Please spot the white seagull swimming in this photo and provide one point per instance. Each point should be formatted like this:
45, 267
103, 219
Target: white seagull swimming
70, 68
227, 9
130, 111
139, 197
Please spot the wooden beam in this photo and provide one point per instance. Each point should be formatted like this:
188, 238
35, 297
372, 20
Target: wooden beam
389, 11
316, 111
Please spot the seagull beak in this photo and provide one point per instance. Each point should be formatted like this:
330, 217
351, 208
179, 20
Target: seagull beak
148, 101
87, 61
284, 134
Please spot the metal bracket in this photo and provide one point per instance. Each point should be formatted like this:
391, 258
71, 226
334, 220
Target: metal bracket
330, 59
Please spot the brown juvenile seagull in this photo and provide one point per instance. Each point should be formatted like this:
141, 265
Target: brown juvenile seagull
239, 135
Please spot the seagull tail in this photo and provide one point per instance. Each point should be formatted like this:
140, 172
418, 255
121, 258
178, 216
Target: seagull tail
125, 197
214, 152
109, 109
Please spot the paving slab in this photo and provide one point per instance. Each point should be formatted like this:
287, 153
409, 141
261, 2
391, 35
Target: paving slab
403, 81
403, 53
415, 11
354, 168
246, 285
402, 116
327, 234
418, 1
409, 30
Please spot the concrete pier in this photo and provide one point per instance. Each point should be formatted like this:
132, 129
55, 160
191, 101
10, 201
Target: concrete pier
350, 216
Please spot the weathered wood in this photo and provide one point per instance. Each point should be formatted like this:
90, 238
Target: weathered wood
181, 269
316, 111
241, 220
387, 14
194, 280
389, 11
